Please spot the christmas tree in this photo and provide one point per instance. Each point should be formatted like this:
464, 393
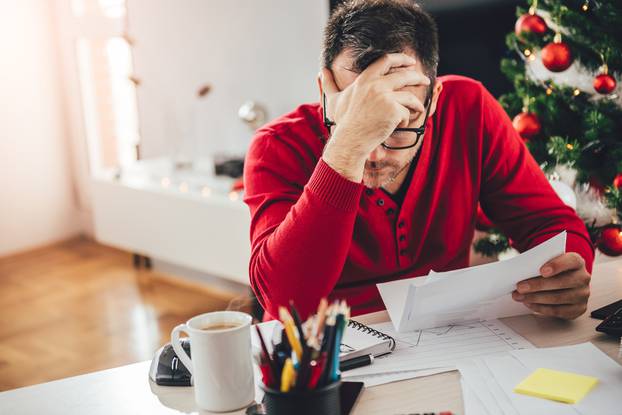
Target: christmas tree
565, 60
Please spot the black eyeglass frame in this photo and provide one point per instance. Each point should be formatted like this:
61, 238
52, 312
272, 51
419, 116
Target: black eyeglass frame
420, 131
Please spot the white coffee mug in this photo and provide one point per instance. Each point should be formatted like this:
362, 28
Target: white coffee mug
221, 364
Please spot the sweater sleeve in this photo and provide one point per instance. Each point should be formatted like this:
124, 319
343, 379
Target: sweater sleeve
300, 232
516, 195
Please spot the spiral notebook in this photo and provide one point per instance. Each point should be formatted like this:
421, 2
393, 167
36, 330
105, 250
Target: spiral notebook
360, 340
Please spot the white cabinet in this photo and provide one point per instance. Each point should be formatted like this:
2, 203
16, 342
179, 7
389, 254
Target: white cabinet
184, 218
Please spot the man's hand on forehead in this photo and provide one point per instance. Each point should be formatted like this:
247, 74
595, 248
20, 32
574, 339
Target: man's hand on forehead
368, 110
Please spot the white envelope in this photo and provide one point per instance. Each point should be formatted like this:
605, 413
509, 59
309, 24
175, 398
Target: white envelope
475, 293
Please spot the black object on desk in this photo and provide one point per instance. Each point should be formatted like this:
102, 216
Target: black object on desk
604, 312
353, 363
167, 369
612, 325
348, 395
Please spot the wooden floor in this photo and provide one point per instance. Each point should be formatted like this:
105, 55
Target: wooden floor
78, 306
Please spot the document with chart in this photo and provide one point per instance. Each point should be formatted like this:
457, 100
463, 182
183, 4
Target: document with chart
442, 347
482, 292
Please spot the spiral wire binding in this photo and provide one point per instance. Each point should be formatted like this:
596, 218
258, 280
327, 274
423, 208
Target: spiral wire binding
364, 328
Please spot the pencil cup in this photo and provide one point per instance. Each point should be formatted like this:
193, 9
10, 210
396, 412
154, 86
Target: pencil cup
325, 401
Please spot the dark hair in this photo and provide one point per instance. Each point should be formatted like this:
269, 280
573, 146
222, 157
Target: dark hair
372, 28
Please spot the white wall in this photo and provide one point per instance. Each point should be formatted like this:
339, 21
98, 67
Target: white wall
36, 194
267, 51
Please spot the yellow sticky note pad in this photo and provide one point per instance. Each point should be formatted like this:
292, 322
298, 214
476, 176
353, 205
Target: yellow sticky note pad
557, 386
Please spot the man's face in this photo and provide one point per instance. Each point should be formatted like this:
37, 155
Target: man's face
383, 165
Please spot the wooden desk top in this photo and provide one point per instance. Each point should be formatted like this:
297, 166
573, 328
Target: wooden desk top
127, 389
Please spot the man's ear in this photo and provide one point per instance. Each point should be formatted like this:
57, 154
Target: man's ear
438, 88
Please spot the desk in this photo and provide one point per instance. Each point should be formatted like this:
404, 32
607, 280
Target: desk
127, 390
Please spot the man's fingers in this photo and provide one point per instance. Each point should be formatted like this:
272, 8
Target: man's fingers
383, 65
561, 263
562, 311
405, 116
401, 79
567, 296
409, 100
569, 279
328, 86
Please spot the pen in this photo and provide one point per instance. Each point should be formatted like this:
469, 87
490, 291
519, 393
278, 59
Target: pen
266, 372
317, 367
339, 326
329, 347
296, 317
355, 362
288, 322
321, 317
267, 357
288, 376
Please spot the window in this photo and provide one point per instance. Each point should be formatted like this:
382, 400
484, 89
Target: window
107, 86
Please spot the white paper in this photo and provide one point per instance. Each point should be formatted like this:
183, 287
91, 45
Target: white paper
476, 293
584, 359
509, 372
493, 379
442, 347
472, 404
476, 382
384, 378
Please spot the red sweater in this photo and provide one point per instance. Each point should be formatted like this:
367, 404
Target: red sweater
315, 233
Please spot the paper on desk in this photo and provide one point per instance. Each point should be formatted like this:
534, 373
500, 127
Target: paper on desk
585, 359
482, 292
384, 378
493, 379
472, 404
442, 347
477, 382
507, 371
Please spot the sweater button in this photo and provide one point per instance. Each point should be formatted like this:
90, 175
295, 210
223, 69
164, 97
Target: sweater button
401, 224
390, 211
380, 202
369, 192
402, 238
402, 252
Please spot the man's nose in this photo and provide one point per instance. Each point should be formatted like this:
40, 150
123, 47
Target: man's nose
377, 154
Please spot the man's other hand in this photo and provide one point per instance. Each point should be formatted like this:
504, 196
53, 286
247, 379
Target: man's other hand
561, 291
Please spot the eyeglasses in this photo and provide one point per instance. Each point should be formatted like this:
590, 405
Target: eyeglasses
392, 143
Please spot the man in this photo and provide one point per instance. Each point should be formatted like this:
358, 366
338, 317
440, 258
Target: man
383, 183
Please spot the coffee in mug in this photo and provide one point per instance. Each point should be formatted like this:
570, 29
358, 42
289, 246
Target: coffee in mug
219, 326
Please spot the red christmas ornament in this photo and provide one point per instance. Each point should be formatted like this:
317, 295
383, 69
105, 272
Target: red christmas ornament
604, 83
610, 242
556, 56
527, 125
617, 182
530, 23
